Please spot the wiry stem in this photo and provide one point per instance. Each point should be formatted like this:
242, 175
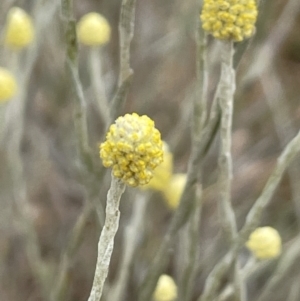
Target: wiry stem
98, 84
126, 32
106, 240
226, 92
191, 233
72, 67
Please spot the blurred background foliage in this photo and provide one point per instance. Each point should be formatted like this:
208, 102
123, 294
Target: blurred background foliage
163, 52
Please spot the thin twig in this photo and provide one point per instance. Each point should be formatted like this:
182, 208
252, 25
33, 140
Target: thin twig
106, 240
226, 92
95, 68
191, 234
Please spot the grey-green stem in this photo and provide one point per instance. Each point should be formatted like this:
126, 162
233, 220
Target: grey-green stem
106, 240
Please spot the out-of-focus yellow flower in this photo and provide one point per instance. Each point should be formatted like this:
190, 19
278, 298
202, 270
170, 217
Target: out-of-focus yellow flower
166, 289
229, 19
174, 189
8, 85
163, 172
93, 30
264, 243
133, 148
19, 30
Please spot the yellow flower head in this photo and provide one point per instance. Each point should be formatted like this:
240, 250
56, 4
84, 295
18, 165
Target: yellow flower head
93, 30
166, 289
8, 85
265, 243
163, 172
19, 30
229, 19
174, 189
133, 148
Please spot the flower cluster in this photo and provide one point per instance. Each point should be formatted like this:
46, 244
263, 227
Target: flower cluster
93, 30
133, 148
19, 30
166, 289
264, 243
8, 85
229, 19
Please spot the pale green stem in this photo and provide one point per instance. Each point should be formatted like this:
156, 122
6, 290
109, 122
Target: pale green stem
126, 31
95, 68
131, 236
201, 82
106, 240
253, 219
80, 117
226, 93
191, 247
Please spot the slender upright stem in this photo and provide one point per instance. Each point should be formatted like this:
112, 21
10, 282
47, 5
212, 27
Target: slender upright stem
95, 67
226, 93
106, 240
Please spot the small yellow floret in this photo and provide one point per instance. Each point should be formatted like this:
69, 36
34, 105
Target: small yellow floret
133, 148
93, 30
166, 289
174, 189
162, 174
19, 30
265, 243
229, 19
8, 85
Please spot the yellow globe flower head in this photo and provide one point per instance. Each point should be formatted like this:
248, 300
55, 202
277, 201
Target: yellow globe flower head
174, 189
93, 30
133, 148
264, 243
8, 85
229, 19
166, 289
162, 174
19, 30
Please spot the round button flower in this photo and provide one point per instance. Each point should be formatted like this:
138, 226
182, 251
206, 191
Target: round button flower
264, 243
133, 148
229, 19
166, 289
8, 85
19, 30
93, 30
